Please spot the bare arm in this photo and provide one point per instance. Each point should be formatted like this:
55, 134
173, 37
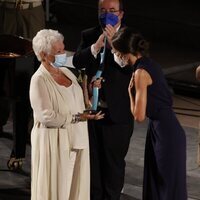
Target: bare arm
130, 92
141, 81
198, 73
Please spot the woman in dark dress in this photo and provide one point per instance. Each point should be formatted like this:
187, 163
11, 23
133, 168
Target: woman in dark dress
165, 151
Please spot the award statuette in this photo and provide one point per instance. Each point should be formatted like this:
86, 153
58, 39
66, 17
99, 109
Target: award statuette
95, 90
91, 106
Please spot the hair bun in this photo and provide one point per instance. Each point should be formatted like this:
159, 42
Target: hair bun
143, 44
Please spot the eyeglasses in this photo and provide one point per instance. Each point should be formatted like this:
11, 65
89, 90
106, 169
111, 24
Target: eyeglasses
111, 10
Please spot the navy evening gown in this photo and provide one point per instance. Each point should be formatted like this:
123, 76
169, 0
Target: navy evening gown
165, 150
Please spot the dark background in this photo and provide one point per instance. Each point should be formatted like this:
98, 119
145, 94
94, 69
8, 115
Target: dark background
165, 21
171, 27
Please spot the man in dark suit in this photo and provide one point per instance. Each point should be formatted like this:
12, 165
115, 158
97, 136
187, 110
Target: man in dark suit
110, 137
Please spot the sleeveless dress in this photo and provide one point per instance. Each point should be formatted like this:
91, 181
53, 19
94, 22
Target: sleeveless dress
165, 150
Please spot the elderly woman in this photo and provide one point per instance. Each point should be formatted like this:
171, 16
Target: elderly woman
59, 137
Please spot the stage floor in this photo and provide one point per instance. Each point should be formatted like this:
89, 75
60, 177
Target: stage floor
185, 83
16, 185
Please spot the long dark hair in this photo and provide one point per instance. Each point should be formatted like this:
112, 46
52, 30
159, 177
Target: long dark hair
127, 40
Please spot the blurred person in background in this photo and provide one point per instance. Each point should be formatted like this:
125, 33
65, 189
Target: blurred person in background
21, 17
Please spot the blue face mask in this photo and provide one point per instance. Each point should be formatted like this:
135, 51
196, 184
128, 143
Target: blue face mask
108, 18
60, 60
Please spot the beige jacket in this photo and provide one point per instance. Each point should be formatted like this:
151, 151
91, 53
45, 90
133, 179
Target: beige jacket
52, 110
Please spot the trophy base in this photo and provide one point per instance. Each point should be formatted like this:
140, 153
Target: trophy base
92, 112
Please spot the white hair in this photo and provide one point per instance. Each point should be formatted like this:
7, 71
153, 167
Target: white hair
44, 40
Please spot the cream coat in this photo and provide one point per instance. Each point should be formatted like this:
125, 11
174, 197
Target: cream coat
60, 149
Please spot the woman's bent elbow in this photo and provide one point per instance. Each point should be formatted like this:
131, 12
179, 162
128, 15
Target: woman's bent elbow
139, 118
